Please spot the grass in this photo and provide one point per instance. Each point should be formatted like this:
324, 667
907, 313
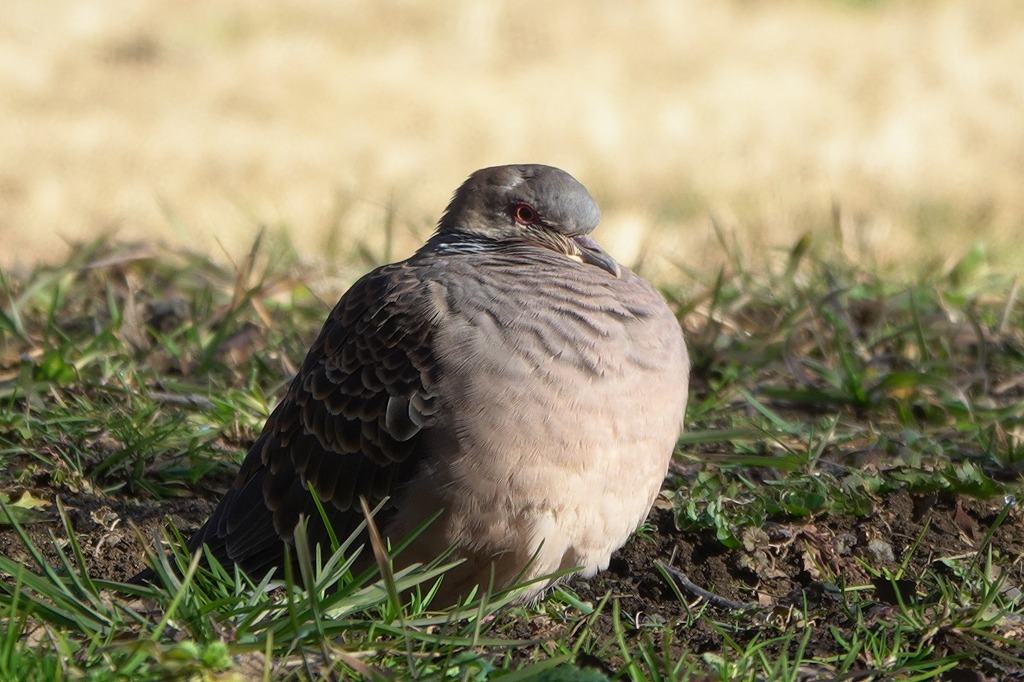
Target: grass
133, 378
898, 121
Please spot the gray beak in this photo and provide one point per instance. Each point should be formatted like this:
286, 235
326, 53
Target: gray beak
592, 253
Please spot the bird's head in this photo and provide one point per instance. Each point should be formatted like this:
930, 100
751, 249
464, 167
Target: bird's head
528, 204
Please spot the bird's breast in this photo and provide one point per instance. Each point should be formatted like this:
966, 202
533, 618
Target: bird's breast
559, 368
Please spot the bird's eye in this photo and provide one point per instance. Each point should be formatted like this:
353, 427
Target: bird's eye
524, 213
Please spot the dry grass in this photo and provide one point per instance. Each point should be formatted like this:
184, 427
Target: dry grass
198, 122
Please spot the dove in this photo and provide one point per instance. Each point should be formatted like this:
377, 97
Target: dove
510, 380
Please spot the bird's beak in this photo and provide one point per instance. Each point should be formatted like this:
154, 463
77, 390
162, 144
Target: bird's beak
590, 252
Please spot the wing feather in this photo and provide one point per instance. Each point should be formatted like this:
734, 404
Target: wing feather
351, 424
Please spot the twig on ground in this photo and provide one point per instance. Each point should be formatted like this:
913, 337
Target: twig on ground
697, 590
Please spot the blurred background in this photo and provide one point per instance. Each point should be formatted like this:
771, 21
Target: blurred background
891, 131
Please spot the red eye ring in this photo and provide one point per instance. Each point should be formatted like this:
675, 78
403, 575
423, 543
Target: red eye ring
524, 214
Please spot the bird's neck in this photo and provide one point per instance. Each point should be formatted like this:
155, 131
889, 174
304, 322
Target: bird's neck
457, 241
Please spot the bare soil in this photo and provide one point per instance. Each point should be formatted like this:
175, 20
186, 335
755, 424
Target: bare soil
791, 572
795, 571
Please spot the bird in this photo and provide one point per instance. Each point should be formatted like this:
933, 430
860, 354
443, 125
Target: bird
510, 381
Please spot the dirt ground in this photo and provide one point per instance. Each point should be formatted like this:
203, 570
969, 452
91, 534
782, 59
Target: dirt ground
784, 576
781, 578
790, 571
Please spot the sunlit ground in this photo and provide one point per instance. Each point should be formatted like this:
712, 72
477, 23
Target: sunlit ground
891, 130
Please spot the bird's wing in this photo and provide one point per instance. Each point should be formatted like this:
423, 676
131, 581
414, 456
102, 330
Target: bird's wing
350, 425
